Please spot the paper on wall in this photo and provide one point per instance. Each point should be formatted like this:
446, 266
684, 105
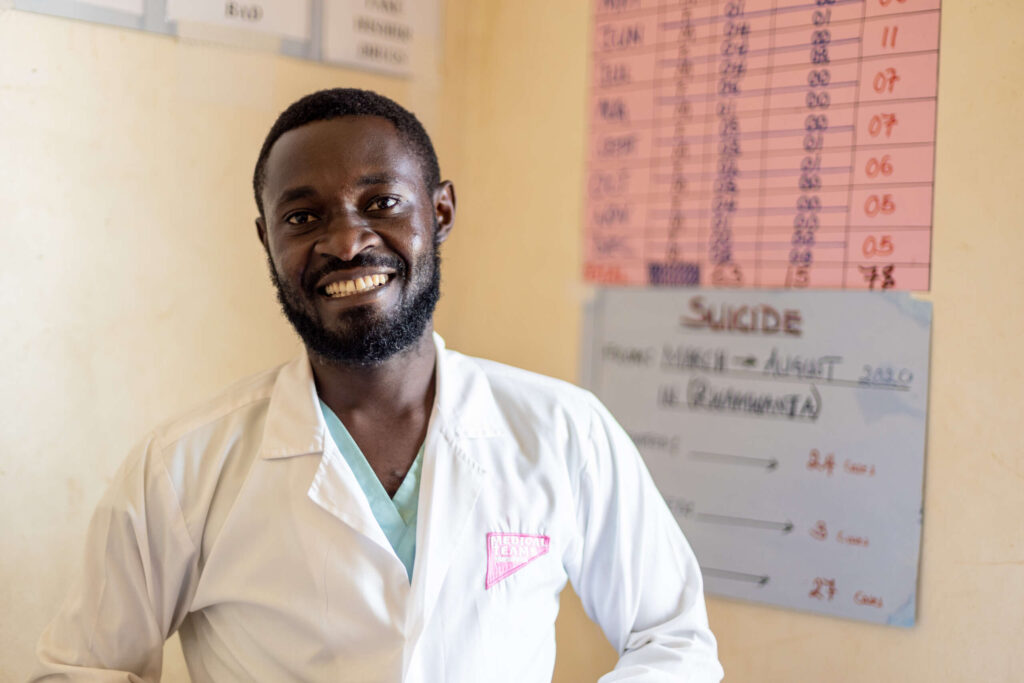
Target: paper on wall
785, 430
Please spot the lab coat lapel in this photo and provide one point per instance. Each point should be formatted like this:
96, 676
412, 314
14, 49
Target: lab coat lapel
447, 497
465, 417
336, 490
295, 426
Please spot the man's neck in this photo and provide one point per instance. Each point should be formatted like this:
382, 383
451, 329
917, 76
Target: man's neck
400, 387
386, 407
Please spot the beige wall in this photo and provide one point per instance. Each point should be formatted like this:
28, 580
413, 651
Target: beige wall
133, 286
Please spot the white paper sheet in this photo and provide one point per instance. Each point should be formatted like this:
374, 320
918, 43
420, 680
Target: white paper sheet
785, 430
286, 18
381, 35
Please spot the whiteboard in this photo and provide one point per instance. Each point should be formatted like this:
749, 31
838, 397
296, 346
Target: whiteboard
785, 430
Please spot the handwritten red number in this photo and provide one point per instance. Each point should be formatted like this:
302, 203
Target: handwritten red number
889, 36
602, 273
875, 205
878, 246
727, 274
885, 80
822, 463
798, 276
824, 589
876, 166
880, 122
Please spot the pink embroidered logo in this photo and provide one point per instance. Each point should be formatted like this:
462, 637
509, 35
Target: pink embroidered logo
508, 553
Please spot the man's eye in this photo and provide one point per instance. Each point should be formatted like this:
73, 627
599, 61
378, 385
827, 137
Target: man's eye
382, 204
299, 218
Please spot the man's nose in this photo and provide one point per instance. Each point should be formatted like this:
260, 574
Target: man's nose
346, 236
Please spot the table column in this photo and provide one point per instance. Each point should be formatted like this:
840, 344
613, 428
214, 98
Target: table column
735, 129
808, 154
678, 205
889, 238
621, 131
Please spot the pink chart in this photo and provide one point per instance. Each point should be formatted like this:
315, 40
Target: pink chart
762, 143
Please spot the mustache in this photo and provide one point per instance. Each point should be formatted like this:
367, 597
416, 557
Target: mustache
333, 264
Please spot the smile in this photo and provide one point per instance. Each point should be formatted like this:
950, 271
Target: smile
336, 290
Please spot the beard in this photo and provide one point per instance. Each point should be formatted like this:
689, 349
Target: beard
366, 337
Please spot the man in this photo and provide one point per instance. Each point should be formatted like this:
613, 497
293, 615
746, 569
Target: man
380, 509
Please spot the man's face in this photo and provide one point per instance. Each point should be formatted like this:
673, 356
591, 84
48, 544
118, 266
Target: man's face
352, 235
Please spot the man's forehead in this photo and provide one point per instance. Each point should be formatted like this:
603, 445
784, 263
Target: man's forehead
345, 145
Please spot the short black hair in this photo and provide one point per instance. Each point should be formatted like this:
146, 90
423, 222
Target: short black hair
336, 103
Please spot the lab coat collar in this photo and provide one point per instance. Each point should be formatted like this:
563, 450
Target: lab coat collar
294, 423
464, 407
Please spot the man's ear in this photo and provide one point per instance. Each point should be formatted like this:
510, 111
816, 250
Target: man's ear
261, 232
444, 209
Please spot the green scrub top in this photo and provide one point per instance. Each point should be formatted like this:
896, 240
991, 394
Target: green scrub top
396, 516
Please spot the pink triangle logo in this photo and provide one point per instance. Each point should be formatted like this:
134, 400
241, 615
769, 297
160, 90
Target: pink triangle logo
508, 553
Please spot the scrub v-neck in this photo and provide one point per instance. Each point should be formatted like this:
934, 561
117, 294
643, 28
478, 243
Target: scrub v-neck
396, 516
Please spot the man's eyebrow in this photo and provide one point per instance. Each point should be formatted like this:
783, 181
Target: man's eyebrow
378, 179
307, 191
293, 193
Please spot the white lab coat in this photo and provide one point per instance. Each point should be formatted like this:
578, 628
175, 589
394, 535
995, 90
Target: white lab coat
242, 526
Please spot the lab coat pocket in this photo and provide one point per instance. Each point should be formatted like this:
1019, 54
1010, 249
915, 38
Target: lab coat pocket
508, 553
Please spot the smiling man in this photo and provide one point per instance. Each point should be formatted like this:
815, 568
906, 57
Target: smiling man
381, 508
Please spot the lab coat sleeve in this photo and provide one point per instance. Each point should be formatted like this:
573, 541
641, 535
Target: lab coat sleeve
128, 596
636, 575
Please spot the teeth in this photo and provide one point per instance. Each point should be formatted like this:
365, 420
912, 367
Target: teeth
360, 284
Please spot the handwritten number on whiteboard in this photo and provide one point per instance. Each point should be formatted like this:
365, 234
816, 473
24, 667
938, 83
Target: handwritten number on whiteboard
824, 589
821, 463
889, 376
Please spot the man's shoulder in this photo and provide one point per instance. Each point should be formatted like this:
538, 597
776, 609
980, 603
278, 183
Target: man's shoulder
189, 452
249, 394
514, 386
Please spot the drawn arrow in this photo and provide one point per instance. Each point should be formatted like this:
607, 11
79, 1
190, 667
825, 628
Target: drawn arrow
784, 527
759, 579
768, 463
748, 361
